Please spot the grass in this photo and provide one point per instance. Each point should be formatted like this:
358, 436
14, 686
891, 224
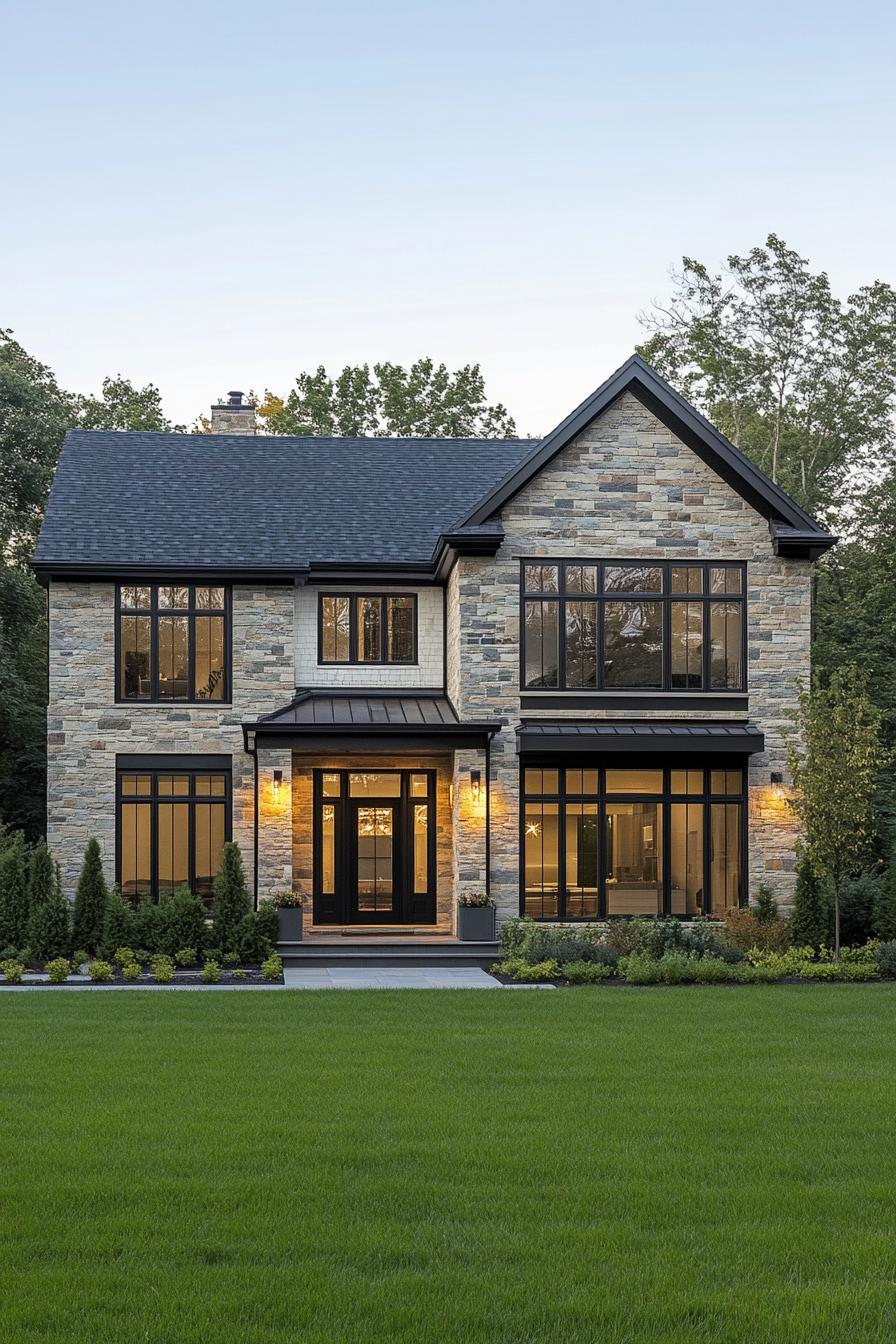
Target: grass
673, 1164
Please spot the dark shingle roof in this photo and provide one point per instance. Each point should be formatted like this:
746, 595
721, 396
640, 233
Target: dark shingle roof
262, 502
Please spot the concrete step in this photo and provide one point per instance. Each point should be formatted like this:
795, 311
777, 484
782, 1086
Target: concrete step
400, 952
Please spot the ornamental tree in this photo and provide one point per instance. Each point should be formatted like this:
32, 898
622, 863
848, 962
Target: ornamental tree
835, 759
232, 902
90, 901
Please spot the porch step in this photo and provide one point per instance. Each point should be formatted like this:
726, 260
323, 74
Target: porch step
387, 952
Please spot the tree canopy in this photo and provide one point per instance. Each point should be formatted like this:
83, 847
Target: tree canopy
802, 382
424, 400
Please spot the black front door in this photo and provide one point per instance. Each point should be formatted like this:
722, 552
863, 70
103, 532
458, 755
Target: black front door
375, 847
375, 888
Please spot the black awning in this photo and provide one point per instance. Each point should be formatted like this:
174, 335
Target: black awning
368, 720
603, 737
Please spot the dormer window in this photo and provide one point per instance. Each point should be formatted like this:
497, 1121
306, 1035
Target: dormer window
173, 643
367, 628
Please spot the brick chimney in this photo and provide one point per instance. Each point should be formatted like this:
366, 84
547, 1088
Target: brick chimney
234, 416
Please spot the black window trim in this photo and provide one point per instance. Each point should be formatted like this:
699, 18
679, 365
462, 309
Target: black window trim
175, 765
666, 598
191, 611
354, 596
663, 799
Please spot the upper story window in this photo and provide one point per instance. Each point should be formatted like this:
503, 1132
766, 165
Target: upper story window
607, 625
362, 628
173, 642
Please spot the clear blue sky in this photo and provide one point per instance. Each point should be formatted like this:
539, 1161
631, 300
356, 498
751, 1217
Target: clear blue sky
215, 196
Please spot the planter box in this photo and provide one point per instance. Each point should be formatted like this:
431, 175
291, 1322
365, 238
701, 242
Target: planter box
289, 924
475, 923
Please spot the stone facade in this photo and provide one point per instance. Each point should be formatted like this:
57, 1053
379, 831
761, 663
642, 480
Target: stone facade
627, 488
87, 729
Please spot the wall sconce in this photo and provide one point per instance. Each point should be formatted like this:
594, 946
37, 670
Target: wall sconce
776, 777
451, 795
278, 784
475, 784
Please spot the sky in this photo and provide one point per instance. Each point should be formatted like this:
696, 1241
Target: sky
217, 196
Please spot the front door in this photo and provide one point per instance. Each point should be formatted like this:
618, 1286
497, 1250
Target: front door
375, 847
375, 895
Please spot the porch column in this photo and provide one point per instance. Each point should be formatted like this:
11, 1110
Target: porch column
469, 816
274, 821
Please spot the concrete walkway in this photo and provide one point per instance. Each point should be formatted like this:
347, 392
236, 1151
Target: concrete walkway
388, 977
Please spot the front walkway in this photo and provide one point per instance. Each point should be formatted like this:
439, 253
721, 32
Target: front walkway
390, 977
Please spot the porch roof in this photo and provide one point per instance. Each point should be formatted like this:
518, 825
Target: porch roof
365, 719
598, 737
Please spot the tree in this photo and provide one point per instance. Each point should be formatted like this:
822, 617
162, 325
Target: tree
802, 382
13, 896
810, 919
423, 401
766, 908
48, 912
884, 926
834, 762
121, 405
119, 923
23, 700
90, 901
231, 902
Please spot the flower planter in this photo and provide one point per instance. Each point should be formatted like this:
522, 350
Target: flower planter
289, 924
476, 923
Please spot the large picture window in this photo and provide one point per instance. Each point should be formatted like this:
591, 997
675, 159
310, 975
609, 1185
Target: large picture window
598, 842
173, 642
624, 626
171, 823
367, 628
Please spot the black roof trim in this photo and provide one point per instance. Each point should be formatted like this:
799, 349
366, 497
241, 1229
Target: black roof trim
636, 376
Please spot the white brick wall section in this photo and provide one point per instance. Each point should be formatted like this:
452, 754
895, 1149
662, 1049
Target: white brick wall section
426, 673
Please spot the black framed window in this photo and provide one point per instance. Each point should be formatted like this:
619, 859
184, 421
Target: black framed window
172, 643
171, 823
620, 625
644, 840
367, 628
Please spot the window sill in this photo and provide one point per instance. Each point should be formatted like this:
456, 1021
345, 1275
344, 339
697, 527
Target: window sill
173, 704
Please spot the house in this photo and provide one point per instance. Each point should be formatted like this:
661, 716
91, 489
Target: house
398, 670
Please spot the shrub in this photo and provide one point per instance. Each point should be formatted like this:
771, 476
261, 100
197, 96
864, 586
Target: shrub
514, 933
534, 975
57, 970
886, 959
186, 956
678, 968
266, 919
238, 973
119, 923
250, 942
211, 973
48, 931
123, 956
181, 922
706, 938
13, 895
230, 959
272, 967
865, 955
623, 936
78, 959
231, 902
840, 970
131, 970
639, 969
90, 900
811, 918
885, 905
508, 966
858, 900
13, 970
100, 972
713, 971
790, 962
148, 927
744, 930
766, 907
585, 972
213, 954
162, 970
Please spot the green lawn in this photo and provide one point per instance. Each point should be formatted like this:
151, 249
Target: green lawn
593, 1164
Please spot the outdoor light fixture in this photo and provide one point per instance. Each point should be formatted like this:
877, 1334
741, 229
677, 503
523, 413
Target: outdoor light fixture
278, 781
475, 784
777, 777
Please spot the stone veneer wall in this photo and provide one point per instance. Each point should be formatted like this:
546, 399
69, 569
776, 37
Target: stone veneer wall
626, 487
303, 766
86, 728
